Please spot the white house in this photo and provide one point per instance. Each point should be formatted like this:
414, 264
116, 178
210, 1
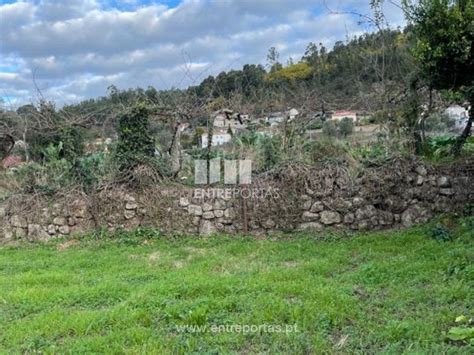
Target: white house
292, 113
339, 115
218, 138
459, 114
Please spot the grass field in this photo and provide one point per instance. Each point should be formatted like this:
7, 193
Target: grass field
143, 293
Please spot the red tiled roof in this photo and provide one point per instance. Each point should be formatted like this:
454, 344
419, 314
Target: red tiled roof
11, 162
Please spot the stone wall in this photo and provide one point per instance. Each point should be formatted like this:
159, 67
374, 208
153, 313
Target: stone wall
396, 196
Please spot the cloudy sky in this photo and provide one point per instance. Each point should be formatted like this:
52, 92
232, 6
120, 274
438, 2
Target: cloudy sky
72, 50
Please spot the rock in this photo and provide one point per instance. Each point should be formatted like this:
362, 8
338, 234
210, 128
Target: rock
196, 221
206, 207
420, 180
330, 217
64, 230
71, 221
19, 232
317, 207
357, 201
18, 221
229, 213
219, 205
310, 226
395, 204
309, 216
207, 227
349, 218
208, 215
195, 210
184, 202
341, 205
365, 212
446, 191
443, 181
78, 208
3, 212
414, 215
363, 225
224, 220
131, 206
421, 170
59, 221
52, 229
307, 205
268, 224
218, 213
129, 214
57, 209
36, 232
385, 218
129, 198
7, 233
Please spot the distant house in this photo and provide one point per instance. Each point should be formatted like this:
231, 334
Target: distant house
292, 113
339, 115
228, 119
275, 118
12, 161
459, 115
218, 138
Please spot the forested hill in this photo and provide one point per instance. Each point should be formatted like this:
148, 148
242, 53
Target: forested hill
355, 74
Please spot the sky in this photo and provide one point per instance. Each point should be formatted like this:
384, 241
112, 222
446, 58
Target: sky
72, 50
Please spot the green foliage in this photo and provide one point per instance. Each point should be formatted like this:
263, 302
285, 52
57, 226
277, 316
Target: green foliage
345, 126
330, 129
445, 35
300, 71
438, 122
326, 149
464, 331
135, 145
379, 153
51, 176
441, 233
439, 148
271, 149
90, 169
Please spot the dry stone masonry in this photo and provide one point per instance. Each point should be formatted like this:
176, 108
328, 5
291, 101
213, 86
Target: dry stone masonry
370, 202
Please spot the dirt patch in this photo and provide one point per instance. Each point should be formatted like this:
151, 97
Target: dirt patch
67, 244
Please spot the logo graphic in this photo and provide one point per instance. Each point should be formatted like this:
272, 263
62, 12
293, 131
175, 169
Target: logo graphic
235, 171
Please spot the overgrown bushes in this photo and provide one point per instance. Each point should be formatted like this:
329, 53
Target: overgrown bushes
135, 144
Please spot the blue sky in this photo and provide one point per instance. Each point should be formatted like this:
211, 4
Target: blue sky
74, 50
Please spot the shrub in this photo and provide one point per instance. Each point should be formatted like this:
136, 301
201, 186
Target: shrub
329, 129
441, 233
135, 145
346, 126
271, 150
326, 149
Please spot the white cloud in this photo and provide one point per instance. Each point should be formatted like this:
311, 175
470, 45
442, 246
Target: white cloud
75, 49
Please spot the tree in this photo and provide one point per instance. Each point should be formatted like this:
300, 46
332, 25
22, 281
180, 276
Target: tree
346, 126
272, 60
329, 129
445, 50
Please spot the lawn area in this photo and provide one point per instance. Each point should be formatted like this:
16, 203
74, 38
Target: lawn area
144, 293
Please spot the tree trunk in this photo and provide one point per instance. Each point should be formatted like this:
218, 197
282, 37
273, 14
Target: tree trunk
457, 147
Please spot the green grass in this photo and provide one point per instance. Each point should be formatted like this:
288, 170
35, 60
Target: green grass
392, 292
